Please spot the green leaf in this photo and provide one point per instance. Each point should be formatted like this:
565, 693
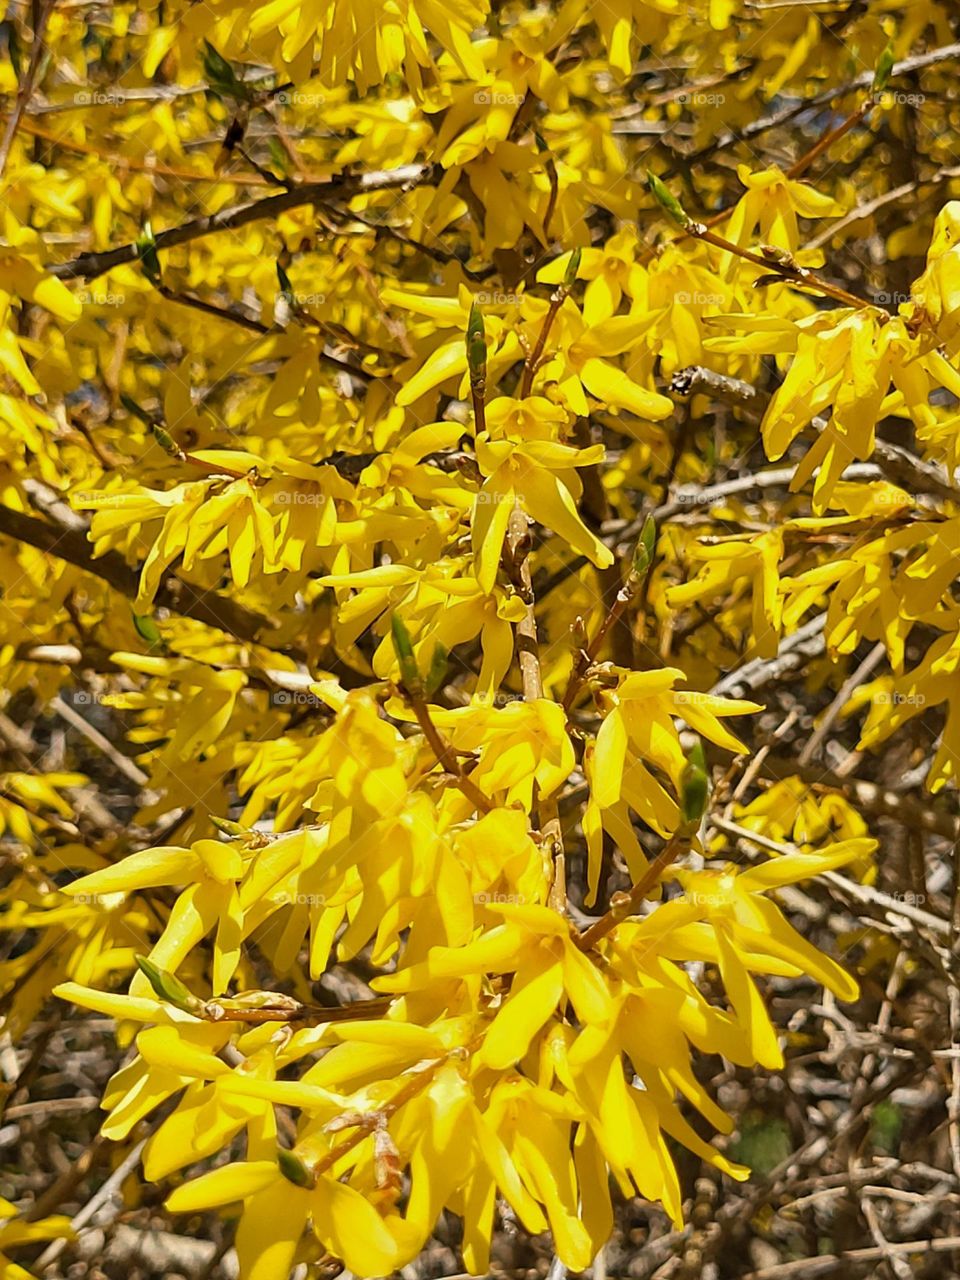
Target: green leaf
148, 630
286, 288
886, 1123
220, 73
763, 1144
438, 670
228, 827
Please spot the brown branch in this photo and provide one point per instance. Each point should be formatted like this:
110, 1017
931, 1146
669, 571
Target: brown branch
25, 91
445, 753
531, 674
175, 594
869, 796
289, 1010
90, 265
863, 81
627, 904
799, 167
896, 463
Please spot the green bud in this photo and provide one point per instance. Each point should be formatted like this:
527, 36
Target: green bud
670, 205
884, 66
694, 787
646, 545
229, 828
162, 436
167, 986
403, 646
165, 440
476, 346
573, 266
438, 670
148, 630
294, 1169
147, 253
278, 157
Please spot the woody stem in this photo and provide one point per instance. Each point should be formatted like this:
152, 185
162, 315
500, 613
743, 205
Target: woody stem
628, 904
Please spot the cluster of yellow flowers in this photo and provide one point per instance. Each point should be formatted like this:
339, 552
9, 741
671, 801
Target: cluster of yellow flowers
340, 440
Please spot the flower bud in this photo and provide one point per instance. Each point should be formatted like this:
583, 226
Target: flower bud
294, 1169
670, 205
167, 986
403, 646
573, 266
694, 787
883, 68
476, 347
646, 545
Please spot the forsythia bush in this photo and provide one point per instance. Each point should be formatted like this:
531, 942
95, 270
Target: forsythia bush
345, 449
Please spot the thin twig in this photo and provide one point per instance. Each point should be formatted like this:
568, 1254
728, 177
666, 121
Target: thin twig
627, 904
90, 265
853, 681
25, 90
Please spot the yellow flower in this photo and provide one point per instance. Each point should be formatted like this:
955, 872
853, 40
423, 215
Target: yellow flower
211, 869
541, 477
769, 211
741, 931
581, 364
612, 272
15, 1231
21, 275
448, 359
733, 560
